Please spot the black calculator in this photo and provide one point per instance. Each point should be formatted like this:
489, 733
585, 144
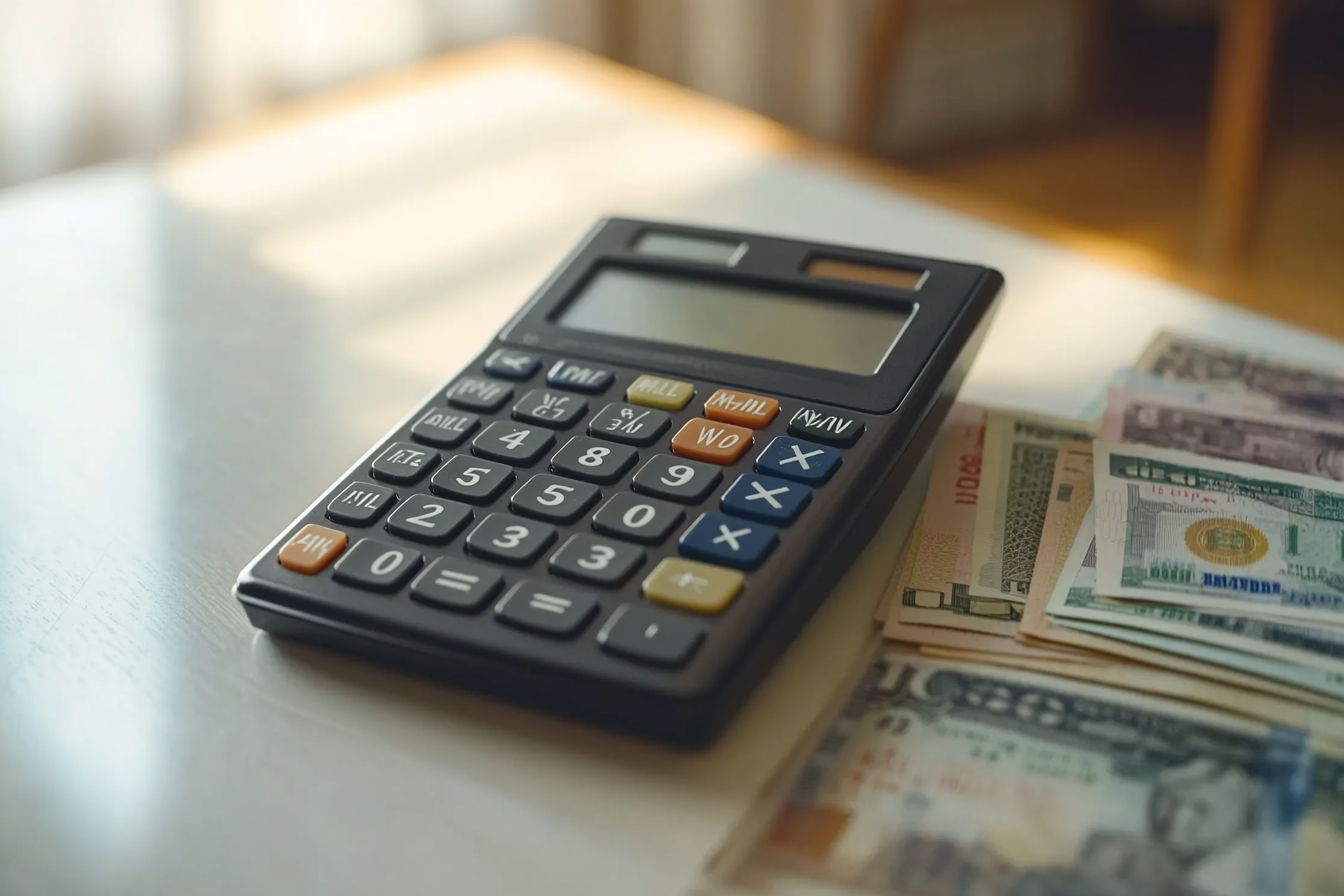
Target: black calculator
627, 505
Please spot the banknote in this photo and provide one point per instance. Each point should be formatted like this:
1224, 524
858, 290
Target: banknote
961, 639
948, 778
1201, 532
1078, 580
1300, 389
931, 587
1321, 680
1306, 445
1019, 465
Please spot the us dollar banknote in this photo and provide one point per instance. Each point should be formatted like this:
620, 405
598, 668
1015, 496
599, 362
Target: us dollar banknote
1201, 532
1303, 390
1306, 445
942, 778
1019, 466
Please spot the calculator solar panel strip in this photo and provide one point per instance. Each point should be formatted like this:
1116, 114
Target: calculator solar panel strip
638, 660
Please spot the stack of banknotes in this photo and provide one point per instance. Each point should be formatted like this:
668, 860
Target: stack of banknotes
1113, 659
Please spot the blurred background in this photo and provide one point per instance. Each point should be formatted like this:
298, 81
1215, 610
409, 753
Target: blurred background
1206, 135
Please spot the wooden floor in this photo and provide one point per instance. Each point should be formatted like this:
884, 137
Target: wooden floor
1141, 181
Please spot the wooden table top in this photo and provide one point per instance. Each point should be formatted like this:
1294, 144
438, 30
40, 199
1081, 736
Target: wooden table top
192, 350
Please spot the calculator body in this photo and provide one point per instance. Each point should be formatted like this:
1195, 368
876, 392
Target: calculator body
611, 512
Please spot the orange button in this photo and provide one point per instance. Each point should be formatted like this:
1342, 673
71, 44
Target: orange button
741, 408
718, 443
312, 548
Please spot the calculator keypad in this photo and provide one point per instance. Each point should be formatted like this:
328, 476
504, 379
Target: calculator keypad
428, 519
593, 461
510, 539
377, 565
512, 443
471, 479
636, 518
360, 503
597, 561
555, 500
594, 514
404, 463
545, 609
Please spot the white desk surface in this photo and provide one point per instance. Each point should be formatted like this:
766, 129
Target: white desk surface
190, 352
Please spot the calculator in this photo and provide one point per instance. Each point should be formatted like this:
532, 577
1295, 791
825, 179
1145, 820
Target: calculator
629, 502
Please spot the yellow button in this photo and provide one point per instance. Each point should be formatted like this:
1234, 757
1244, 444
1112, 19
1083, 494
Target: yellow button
687, 585
659, 392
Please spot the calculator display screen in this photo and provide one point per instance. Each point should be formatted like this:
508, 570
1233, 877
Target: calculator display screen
778, 326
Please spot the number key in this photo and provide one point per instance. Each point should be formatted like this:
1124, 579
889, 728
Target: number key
511, 443
510, 539
634, 517
470, 479
377, 565
427, 519
682, 480
551, 498
595, 560
593, 461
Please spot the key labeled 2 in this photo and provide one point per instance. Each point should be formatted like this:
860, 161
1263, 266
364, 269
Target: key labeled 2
428, 519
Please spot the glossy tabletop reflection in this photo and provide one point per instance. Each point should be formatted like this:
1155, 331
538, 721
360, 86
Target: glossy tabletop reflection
190, 352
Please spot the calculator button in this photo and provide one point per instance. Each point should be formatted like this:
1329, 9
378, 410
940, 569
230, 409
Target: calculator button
717, 443
510, 539
687, 585
541, 607
360, 503
659, 392
590, 559
511, 365
452, 584
512, 443
478, 394
625, 423
649, 635
637, 518
469, 479
741, 408
428, 519
312, 548
403, 463
593, 461
554, 409
444, 428
798, 460
826, 425
765, 499
728, 540
577, 378
553, 499
377, 565
682, 480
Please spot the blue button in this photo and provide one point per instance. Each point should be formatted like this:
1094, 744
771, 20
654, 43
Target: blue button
798, 460
578, 378
510, 365
716, 538
765, 499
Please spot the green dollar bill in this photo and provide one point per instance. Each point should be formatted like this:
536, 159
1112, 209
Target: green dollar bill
953, 778
1176, 528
